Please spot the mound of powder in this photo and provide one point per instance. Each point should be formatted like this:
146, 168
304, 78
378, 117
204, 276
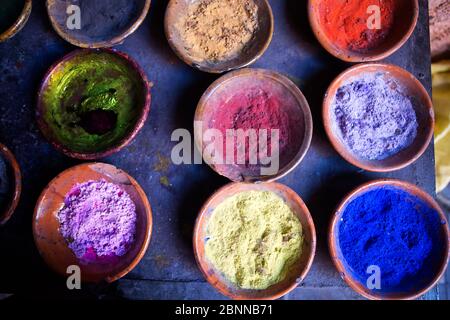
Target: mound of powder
98, 220
218, 29
374, 117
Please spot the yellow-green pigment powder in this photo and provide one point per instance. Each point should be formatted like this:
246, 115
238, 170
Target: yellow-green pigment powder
254, 238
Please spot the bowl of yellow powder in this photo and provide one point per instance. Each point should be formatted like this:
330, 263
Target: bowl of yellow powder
254, 241
219, 35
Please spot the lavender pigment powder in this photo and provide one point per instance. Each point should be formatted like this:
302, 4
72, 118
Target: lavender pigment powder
374, 117
98, 220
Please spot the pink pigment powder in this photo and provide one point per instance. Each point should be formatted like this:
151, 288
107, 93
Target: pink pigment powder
98, 221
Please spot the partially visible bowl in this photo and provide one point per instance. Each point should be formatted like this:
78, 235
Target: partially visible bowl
422, 105
405, 19
298, 271
19, 23
13, 170
177, 9
53, 247
92, 103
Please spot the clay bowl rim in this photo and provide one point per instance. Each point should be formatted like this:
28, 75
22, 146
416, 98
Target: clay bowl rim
146, 203
202, 264
348, 56
99, 44
333, 137
12, 162
44, 128
289, 85
333, 242
184, 56
19, 23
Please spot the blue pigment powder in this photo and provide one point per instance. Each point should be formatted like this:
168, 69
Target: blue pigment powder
396, 231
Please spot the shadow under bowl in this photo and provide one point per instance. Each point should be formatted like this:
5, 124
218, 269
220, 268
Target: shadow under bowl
412, 88
19, 23
92, 103
391, 294
15, 177
298, 271
293, 105
102, 23
53, 247
406, 14
178, 9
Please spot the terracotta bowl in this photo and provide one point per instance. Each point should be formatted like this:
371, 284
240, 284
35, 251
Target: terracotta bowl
19, 23
143, 100
53, 247
298, 272
176, 9
422, 106
16, 178
294, 102
405, 20
339, 261
129, 23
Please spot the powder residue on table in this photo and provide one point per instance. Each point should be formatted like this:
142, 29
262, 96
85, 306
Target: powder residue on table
346, 22
254, 239
10, 11
374, 117
98, 221
397, 232
218, 29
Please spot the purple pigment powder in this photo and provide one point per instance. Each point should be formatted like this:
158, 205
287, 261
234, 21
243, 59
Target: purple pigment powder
374, 117
98, 221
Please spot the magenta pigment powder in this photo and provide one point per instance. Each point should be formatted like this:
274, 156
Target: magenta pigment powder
374, 117
98, 221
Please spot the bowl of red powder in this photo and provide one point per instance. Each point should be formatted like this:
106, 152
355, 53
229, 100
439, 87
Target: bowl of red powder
363, 30
253, 125
378, 117
96, 217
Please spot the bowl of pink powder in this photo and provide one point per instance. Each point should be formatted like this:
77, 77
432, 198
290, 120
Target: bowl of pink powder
378, 117
96, 217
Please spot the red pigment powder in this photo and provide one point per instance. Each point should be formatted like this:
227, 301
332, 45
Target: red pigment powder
258, 107
345, 22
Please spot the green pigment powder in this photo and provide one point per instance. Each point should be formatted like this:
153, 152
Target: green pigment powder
254, 239
10, 11
93, 101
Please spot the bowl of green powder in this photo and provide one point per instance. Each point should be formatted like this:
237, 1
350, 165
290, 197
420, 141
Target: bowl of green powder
94, 217
254, 241
14, 15
93, 102
378, 117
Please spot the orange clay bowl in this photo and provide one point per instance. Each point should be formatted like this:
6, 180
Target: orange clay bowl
20, 22
338, 260
53, 247
294, 103
298, 272
405, 20
176, 9
56, 10
16, 177
423, 108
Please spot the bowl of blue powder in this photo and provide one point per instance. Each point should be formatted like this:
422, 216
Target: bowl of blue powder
378, 117
389, 240
10, 184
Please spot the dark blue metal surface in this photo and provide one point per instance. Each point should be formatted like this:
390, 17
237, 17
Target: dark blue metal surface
168, 269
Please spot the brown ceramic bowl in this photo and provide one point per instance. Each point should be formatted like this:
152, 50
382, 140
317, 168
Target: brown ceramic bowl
142, 107
16, 177
131, 18
405, 20
422, 106
176, 9
339, 261
53, 247
294, 103
19, 23
298, 272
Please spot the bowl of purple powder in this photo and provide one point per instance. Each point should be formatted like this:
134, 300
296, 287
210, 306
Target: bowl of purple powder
389, 240
378, 117
96, 217
10, 184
